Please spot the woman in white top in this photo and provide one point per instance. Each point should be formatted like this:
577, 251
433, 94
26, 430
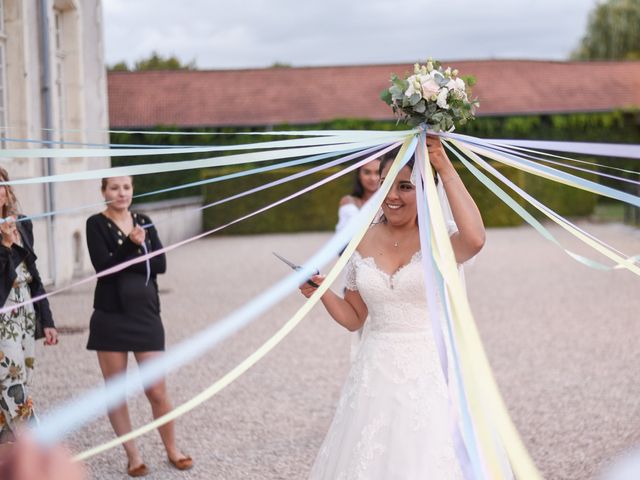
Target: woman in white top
366, 183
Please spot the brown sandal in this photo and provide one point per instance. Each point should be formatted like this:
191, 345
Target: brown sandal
139, 471
184, 463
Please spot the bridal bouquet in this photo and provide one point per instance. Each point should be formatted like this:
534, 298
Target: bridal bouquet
432, 95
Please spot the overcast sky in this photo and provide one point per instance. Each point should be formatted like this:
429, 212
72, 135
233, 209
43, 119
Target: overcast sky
257, 33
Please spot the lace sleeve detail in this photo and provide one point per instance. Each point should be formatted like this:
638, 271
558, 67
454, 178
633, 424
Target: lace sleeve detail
350, 276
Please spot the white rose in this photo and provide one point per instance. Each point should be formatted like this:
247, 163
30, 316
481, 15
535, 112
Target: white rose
455, 72
416, 68
435, 73
457, 86
447, 72
414, 87
429, 65
442, 98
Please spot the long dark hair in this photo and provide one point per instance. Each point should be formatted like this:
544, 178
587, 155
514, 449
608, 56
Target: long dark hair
389, 157
358, 189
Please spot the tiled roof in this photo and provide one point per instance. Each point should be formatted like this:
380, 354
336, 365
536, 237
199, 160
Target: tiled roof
271, 96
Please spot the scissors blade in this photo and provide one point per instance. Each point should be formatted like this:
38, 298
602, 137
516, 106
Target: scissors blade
292, 265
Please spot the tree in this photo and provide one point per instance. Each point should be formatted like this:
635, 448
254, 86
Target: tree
155, 62
280, 65
119, 67
613, 32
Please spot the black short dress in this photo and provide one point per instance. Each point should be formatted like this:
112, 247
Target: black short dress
126, 316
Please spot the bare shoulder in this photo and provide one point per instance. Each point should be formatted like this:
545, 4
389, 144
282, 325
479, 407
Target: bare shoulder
347, 200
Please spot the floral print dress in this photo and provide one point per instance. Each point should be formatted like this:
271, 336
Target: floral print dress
17, 355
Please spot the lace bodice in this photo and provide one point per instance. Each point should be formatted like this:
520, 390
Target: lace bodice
396, 303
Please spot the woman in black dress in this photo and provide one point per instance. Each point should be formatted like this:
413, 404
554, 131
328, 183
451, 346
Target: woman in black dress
126, 316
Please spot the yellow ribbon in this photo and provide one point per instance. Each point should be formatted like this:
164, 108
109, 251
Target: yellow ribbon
622, 262
485, 401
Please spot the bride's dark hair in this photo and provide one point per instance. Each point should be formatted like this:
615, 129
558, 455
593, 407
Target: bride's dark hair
391, 155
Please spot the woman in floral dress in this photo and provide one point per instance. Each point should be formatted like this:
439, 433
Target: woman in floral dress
20, 327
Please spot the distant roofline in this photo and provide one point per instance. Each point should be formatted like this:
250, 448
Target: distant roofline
390, 64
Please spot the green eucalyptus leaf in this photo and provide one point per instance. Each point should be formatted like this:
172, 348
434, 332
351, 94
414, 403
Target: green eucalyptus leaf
414, 99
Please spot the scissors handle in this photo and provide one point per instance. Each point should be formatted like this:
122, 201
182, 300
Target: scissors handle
309, 282
313, 284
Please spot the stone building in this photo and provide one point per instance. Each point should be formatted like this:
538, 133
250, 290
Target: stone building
53, 87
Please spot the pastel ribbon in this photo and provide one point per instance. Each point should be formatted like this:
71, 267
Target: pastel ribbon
128, 152
513, 148
517, 153
482, 439
556, 175
482, 396
627, 263
296, 133
241, 173
237, 159
70, 416
368, 211
147, 256
524, 214
465, 445
596, 148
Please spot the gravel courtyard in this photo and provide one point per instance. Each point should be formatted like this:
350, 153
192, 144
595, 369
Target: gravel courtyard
563, 340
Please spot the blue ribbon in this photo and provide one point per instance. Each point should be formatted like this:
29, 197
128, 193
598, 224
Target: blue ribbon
221, 178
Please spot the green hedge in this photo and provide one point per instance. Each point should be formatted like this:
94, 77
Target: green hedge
562, 199
619, 126
317, 210
313, 211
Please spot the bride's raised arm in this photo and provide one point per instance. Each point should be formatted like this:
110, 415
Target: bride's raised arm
470, 238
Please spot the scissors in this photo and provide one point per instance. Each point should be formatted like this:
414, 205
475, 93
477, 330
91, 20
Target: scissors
297, 267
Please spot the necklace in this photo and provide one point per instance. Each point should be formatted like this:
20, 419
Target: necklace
396, 243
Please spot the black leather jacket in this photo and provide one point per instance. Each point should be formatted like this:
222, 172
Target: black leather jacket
10, 258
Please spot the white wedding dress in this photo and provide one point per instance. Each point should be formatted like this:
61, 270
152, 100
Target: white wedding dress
393, 420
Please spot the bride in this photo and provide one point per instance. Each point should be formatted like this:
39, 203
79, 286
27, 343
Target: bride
393, 419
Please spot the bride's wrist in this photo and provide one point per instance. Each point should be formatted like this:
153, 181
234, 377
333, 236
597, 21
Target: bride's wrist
448, 175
